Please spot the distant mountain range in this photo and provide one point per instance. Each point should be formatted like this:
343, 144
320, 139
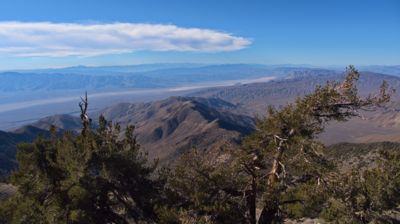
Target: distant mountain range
112, 78
99, 70
255, 97
27, 95
389, 69
153, 75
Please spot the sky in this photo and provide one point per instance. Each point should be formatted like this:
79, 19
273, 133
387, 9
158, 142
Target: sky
49, 33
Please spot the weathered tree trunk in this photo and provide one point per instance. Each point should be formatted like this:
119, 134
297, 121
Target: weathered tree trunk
268, 216
252, 205
84, 117
251, 197
274, 173
270, 210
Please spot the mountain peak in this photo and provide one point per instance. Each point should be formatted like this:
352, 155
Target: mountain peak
167, 128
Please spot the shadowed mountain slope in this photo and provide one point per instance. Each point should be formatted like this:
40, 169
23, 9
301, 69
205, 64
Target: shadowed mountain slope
170, 127
9, 141
61, 121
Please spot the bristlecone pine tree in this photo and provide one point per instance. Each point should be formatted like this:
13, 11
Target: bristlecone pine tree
281, 154
94, 177
289, 135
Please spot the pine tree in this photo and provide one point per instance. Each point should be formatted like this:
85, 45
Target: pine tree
288, 137
92, 177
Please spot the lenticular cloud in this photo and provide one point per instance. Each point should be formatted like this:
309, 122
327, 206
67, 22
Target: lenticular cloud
72, 39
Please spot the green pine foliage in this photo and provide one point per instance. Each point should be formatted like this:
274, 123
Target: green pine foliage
203, 192
94, 177
365, 196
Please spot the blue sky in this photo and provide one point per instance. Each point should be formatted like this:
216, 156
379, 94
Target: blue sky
48, 33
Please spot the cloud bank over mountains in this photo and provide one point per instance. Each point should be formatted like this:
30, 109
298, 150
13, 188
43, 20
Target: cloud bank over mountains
46, 39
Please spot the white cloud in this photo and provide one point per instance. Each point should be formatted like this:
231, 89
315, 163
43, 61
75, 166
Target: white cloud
66, 39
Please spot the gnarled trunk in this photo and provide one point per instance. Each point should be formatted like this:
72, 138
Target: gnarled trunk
270, 211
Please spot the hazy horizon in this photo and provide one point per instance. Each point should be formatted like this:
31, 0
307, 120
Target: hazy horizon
332, 66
